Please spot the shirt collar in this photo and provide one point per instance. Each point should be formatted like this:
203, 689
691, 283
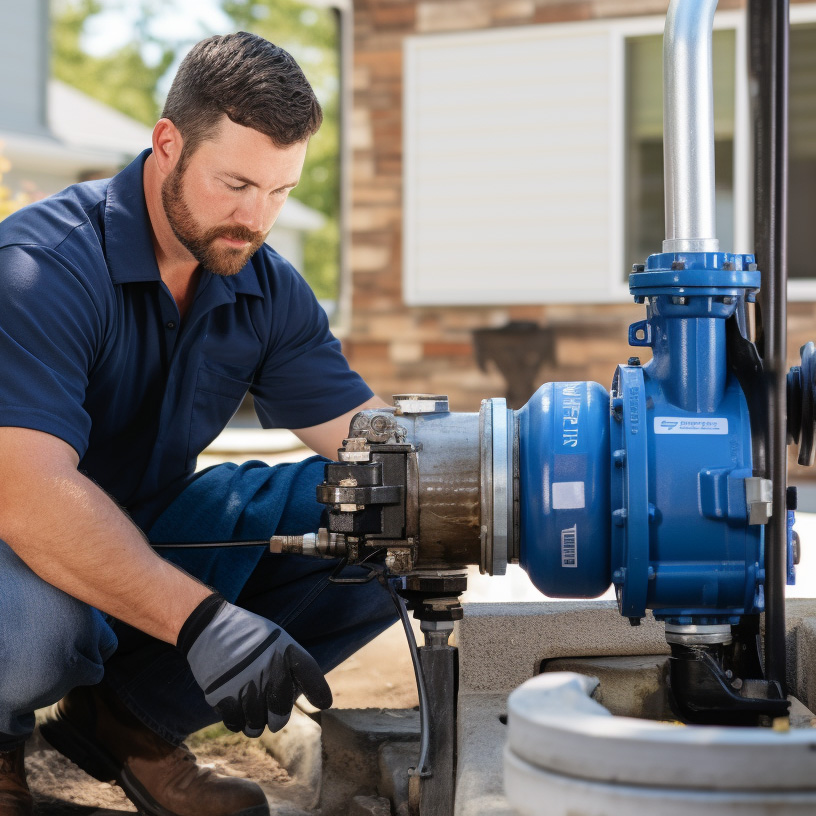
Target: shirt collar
128, 237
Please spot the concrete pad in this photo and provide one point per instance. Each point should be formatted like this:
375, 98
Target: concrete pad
631, 686
351, 743
800, 715
479, 777
396, 758
502, 645
364, 728
802, 655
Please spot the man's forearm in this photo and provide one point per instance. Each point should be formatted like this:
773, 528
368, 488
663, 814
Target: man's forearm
71, 534
327, 438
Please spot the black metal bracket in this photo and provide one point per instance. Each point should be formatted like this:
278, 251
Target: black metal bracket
723, 684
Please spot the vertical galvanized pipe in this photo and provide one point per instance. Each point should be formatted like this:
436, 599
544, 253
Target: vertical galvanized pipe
768, 37
688, 127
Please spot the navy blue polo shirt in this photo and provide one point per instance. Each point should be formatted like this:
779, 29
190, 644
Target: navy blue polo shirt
93, 350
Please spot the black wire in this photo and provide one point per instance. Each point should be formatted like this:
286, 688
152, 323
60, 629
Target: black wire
424, 708
160, 545
310, 596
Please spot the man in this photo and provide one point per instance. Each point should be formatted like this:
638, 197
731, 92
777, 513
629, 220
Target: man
136, 314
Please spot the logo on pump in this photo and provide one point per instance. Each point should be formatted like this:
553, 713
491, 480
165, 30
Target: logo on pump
717, 426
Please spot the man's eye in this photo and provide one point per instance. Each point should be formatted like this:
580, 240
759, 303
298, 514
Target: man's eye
233, 187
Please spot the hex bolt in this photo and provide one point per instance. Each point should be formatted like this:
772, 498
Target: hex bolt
379, 422
633, 361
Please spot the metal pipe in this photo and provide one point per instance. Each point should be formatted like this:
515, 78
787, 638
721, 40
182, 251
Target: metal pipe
768, 37
688, 127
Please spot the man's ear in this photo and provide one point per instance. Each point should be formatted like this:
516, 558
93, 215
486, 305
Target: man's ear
167, 145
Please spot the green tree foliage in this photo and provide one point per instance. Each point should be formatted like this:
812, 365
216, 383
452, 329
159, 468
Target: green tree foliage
128, 78
123, 79
311, 35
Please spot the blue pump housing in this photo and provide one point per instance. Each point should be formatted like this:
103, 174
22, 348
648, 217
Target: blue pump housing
644, 487
564, 458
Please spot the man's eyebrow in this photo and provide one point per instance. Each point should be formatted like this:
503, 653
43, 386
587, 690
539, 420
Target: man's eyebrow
251, 183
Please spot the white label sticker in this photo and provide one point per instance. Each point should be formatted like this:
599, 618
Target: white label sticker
568, 496
569, 546
690, 425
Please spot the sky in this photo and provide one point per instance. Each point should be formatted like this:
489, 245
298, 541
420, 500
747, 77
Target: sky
185, 21
182, 19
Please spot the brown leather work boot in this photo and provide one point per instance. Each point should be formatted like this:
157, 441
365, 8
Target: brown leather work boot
15, 798
97, 732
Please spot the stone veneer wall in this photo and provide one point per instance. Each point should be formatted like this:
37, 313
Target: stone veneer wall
430, 349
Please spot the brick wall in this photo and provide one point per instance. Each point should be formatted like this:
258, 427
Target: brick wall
400, 349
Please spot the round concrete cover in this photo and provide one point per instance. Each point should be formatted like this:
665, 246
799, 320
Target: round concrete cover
554, 725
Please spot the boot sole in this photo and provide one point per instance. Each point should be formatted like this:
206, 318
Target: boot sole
96, 762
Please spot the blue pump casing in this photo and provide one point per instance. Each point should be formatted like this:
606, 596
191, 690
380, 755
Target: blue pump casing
645, 487
564, 478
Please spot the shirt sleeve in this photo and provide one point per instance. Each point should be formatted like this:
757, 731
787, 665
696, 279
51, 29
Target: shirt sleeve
305, 380
50, 328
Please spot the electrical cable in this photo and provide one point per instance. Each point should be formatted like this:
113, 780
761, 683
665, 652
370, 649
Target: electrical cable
424, 707
203, 545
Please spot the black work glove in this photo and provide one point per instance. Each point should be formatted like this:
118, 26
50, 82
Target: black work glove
251, 671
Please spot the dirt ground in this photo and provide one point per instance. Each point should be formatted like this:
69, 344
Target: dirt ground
378, 676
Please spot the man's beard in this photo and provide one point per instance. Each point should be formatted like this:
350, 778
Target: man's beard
200, 243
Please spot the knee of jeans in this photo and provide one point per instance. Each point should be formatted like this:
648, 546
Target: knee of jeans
50, 643
46, 662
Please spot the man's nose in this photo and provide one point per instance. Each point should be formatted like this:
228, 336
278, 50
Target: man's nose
252, 213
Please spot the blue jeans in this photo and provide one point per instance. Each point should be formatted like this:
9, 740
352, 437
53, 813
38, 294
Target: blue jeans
51, 643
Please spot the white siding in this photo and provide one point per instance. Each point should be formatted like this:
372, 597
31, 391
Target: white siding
512, 154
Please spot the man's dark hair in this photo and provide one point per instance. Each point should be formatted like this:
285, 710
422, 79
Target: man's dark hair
255, 83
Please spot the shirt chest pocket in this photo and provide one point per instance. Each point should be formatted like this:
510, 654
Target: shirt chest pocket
217, 396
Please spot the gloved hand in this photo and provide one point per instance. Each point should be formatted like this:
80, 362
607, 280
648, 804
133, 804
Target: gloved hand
251, 671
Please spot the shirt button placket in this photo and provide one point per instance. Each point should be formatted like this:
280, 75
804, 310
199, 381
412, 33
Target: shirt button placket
171, 333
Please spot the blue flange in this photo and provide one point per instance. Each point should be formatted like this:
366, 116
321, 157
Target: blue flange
630, 490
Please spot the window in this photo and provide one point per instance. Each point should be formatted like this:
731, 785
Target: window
533, 158
802, 153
